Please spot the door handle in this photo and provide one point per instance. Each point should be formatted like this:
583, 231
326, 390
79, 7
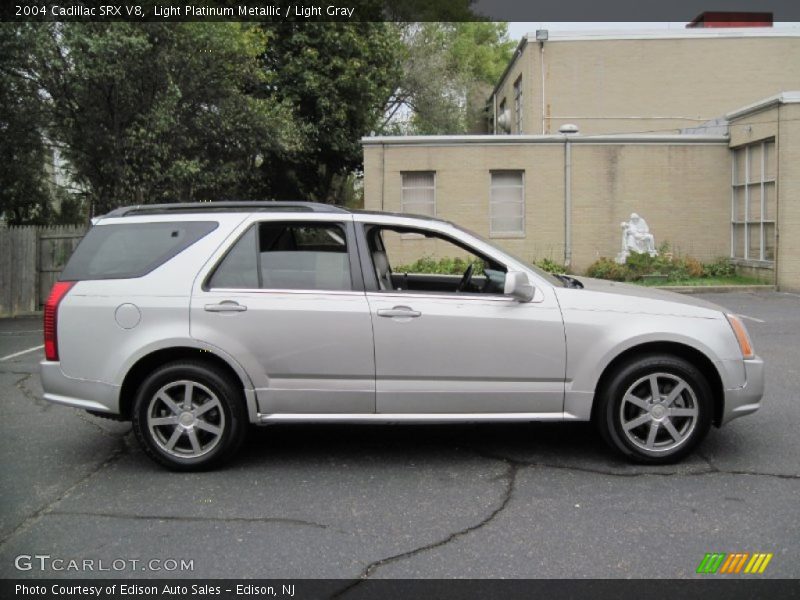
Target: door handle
399, 311
225, 306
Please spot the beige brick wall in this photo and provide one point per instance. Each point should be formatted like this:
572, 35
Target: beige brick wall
531, 94
463, 178
683, 191
788, 263
754, 127
595, 83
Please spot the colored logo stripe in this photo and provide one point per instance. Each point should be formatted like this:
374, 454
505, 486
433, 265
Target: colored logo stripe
711, 562
721, 562
734, 563
758, 563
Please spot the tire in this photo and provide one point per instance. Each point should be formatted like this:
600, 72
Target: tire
195, 436
660, 432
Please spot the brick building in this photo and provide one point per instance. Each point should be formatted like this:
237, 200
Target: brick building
698, 131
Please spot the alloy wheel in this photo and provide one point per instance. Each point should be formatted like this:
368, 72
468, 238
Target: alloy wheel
659, 412
185, 419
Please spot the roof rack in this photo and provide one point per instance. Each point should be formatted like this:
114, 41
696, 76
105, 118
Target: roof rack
225, 206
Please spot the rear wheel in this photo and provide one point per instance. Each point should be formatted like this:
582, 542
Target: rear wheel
655, 409
189, 416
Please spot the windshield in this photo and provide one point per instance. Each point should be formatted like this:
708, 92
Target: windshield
549, 277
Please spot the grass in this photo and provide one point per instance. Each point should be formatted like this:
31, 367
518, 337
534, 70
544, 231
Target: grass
702, 281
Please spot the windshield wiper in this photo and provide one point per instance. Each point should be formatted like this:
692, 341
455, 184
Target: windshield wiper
571, 282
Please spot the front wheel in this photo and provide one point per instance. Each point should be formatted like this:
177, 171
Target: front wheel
655, 409
189, 416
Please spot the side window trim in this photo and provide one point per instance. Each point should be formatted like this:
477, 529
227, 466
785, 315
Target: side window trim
353, 257
371, 280
259, 274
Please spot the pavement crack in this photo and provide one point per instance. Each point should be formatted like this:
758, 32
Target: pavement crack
716, 469
510, 477
48, 508
182, 518
711, 470
545, 465
21, 385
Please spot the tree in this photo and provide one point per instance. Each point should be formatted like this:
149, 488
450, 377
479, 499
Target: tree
337, 76
449, 70
24, 193
159, 112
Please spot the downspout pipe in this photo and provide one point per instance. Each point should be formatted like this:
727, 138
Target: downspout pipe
568, 130
567, 201
541, 71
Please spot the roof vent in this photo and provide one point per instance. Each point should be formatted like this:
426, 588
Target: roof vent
568, 129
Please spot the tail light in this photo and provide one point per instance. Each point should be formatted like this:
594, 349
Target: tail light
57, 294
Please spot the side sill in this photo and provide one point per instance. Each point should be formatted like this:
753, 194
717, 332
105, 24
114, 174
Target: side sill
77, 403
417, 418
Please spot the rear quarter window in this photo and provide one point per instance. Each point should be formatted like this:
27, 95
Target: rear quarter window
130, 250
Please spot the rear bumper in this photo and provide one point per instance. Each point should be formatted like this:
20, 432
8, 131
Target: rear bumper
745, 400
80, 393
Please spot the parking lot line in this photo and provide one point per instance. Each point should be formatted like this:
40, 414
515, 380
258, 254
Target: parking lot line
20, 353
752, 319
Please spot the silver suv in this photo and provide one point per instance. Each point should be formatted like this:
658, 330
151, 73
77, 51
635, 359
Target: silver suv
194, 320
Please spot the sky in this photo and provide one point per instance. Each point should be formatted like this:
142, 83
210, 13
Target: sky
517, 29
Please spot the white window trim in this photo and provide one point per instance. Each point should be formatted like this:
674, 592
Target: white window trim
403, 189
745, 223
506, 234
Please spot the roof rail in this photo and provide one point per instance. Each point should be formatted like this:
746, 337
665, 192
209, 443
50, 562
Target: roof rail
225, 206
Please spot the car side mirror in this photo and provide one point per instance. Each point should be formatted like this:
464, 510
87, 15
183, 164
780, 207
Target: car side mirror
519, 286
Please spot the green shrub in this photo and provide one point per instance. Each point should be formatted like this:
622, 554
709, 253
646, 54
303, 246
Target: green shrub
641, 263
551, 266
722, 267
694, 267
605, 268
676, 268
442, 266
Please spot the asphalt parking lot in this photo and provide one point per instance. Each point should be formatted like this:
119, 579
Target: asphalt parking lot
511, 501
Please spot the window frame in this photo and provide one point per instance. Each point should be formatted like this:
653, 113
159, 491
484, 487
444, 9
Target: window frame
745, 225
523, 202
518, 104
403, 189
356, 276
365, 229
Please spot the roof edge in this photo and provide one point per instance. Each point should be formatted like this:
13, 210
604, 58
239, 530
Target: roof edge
432, 140
665, 34
517, 54
790, 97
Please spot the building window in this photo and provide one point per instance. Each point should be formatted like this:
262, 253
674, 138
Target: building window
418, 193
507, 204
518, 104
753, 202
504, 126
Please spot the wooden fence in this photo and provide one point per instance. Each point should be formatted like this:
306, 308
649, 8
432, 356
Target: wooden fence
31, 259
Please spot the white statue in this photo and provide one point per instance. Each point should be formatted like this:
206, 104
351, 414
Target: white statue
636, 237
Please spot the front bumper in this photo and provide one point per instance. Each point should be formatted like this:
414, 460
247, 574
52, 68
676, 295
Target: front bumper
80, 393
745, 400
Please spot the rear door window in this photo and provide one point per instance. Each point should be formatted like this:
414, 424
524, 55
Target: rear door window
293, 256
131, 250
